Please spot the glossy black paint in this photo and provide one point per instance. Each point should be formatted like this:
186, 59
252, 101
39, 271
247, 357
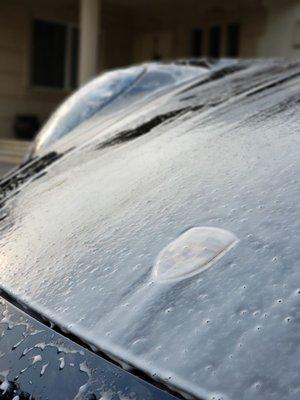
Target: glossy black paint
37, 362
220, 151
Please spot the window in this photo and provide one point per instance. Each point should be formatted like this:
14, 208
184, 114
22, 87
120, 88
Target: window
296, 35
215, 41
197, 43
74, 57
54, 55
233, 38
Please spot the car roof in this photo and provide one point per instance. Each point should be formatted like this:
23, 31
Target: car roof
79, 241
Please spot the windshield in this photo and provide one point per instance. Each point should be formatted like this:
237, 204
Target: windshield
86, 102
112, 92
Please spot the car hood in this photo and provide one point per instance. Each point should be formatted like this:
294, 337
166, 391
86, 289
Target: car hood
82, 227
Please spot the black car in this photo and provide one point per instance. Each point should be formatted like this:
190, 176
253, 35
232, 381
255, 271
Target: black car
149, 243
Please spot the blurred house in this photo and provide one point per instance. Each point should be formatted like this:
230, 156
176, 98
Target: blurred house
49, 47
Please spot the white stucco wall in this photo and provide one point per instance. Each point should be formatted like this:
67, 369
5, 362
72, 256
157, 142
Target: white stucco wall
282, 30
128, 34
17, 95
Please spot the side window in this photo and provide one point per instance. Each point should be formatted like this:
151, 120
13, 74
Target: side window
233, 40
197, 43
54, 55
214, 41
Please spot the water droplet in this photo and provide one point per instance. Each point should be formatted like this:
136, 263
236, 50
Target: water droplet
61, 363
43, 369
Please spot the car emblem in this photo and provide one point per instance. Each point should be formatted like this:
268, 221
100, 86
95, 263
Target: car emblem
194, 251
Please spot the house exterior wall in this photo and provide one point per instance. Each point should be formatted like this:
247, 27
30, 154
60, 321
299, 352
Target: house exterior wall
17, 96
281, 36
117, 35
171, 25
133, 32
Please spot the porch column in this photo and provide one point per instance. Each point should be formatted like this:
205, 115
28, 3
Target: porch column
89, 39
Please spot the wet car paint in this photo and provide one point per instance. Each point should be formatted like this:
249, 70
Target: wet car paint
37, 362
107, 94
79, 244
